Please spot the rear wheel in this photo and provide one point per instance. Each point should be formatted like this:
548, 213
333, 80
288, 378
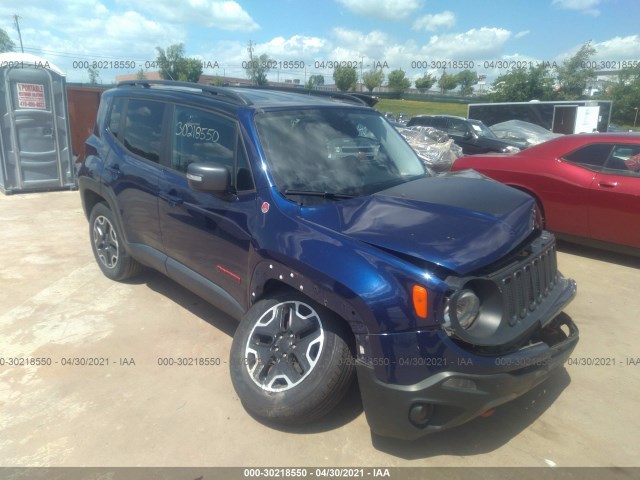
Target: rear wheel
290, 360
106, 243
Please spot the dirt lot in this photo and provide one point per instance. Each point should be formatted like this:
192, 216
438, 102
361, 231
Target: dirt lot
55, 304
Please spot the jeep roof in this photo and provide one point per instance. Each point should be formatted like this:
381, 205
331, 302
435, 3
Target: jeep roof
256, 97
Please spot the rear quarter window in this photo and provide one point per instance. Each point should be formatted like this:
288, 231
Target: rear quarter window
101, 116
115, 116
592, 157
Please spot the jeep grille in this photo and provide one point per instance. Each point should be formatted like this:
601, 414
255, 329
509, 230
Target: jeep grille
528, 285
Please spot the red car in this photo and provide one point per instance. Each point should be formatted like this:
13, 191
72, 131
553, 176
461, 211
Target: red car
587, 186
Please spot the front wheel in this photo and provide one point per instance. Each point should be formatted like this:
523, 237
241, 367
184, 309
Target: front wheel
290, 360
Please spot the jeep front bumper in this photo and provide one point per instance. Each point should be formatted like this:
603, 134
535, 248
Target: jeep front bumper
453, 396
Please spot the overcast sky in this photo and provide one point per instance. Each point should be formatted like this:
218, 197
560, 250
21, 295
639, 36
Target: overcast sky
417, 36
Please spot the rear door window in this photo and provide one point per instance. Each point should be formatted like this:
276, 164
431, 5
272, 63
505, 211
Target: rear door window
143, 128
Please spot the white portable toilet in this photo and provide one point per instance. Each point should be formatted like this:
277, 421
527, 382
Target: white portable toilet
35, 140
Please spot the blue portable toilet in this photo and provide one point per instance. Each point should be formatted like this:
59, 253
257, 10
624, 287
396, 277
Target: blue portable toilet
35, 140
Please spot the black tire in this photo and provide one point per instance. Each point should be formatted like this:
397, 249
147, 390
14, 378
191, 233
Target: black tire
274, 380
106, 243
543, 221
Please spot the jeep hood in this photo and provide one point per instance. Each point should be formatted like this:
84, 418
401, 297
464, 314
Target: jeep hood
461, 221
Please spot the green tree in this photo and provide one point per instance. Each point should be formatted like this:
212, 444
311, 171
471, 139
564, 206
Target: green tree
315, 80
625, 94
6, 44
257, 69
192, 70
345, 78
425, 82
94, 75
140, 75
522, 85
397, 81
467, 79
574, 73
373, 79
447, 82
175, 66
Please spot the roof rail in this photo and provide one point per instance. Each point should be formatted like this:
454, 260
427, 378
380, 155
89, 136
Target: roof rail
222, 92
357, 98
370, 100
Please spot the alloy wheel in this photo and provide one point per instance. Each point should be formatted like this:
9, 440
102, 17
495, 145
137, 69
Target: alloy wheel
105, 241
284, 346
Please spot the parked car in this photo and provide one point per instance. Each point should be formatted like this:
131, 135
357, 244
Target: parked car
313, 222
434, 147
390, 116
403, 118
472, 136
614, 128
523, 134
587, 185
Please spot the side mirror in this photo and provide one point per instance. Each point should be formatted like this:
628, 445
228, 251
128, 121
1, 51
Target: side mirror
209, 177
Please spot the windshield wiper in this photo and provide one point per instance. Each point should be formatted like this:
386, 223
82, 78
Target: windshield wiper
312, 193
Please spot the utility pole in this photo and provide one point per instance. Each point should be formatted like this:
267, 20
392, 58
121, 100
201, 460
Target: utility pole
252, 67
250, 50
16, 18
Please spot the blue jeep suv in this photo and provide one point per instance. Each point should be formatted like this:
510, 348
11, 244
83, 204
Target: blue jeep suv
309, 219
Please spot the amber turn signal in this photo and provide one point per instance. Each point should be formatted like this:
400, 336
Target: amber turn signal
420, 301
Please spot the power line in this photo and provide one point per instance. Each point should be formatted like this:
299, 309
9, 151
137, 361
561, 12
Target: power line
140, 63
70, 55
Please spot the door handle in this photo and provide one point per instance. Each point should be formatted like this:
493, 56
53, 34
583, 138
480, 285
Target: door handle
172, 200
608, 184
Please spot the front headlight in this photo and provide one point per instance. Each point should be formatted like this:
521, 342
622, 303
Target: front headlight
474, 313
462, 308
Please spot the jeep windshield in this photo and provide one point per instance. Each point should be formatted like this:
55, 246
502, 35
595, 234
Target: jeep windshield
334, 153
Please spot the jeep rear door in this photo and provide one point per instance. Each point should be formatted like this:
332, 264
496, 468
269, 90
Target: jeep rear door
132, 169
